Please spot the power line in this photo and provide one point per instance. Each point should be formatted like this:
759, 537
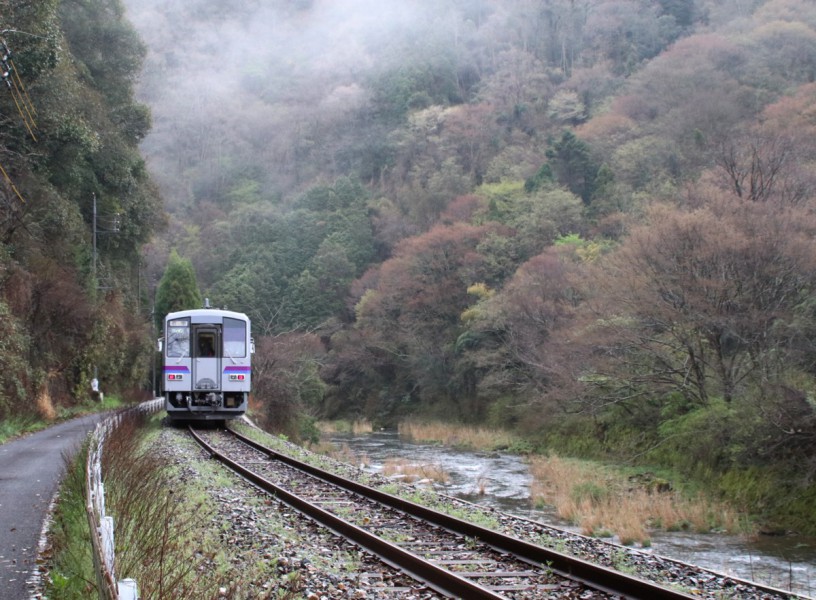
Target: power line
11, 77
11, 183
9, 74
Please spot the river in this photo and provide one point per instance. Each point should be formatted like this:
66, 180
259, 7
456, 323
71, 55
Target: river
502, 481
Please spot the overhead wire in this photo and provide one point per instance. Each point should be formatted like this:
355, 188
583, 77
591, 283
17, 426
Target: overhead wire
11, 183
18, 93
32, 111
25, 107
28, 118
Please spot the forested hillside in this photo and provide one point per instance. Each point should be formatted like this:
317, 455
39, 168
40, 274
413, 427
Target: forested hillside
69, 134
591, 221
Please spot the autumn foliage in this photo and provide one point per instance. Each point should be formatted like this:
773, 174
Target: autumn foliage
590, 222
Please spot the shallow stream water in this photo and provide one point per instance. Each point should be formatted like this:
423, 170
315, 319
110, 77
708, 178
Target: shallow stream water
502, 481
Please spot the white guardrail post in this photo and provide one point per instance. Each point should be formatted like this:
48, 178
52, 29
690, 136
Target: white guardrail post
101, 524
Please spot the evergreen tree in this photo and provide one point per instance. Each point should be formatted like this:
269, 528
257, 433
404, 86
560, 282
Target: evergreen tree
544, 176
178, 288
573, 166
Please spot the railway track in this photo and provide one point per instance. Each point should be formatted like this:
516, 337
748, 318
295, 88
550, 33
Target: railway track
450, 556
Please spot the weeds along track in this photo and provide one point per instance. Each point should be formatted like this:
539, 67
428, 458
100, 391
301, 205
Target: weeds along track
448, 555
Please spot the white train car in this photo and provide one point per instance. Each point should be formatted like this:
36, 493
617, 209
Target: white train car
207, 364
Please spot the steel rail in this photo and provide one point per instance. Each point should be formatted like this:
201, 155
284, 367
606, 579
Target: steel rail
591, 575
441, 580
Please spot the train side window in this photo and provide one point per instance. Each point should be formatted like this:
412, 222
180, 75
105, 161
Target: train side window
178, 339
234, 338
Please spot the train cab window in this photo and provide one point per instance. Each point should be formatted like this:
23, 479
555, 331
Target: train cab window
178, 339
206, 344
234, 338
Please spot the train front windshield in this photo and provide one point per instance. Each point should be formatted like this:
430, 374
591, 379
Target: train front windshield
178, 339
234, 338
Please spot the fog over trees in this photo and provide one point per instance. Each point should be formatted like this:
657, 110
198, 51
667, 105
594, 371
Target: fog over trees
590, 221
587, 220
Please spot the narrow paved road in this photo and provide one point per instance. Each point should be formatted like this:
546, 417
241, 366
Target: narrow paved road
30, 471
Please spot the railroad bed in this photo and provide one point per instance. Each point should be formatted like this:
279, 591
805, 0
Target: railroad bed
428, 554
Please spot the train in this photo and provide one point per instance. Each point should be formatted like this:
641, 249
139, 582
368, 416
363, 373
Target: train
206, 364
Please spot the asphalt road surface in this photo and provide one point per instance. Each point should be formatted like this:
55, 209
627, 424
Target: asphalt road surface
30, 471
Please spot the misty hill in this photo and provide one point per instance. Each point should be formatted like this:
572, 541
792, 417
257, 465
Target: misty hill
590, 221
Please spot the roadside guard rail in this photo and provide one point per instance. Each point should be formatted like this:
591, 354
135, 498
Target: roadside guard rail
100, 523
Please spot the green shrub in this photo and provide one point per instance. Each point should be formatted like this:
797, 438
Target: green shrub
780, 499
591, 492
574, 435
701, 438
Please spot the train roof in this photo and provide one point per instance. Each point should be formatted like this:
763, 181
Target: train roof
206, 315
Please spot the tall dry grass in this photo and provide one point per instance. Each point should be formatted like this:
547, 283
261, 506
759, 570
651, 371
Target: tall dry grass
603, 502
410, 471
43, 402
154, 524
458, 436
358, 427
354, 427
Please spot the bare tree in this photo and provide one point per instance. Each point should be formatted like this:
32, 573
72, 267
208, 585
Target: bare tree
758, 166
701, 302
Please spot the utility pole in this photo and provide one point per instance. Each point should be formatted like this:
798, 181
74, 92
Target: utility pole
114, 228
153, 333
93, 272
111, 224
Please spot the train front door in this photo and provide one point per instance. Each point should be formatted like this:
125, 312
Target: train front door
206, 358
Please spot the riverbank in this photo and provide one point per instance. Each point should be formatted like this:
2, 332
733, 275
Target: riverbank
500, 481
601, 500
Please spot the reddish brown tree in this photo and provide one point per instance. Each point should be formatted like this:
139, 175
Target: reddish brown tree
412, 317
702, 301
286, 382
772, 158
756, 166
518, 338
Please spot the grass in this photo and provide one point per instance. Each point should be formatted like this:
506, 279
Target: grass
71, 573
462, 436
344, 426
156, 526
411, 472
47, 415
343, 453
604, 502
87, 407
164, 539
13, 427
